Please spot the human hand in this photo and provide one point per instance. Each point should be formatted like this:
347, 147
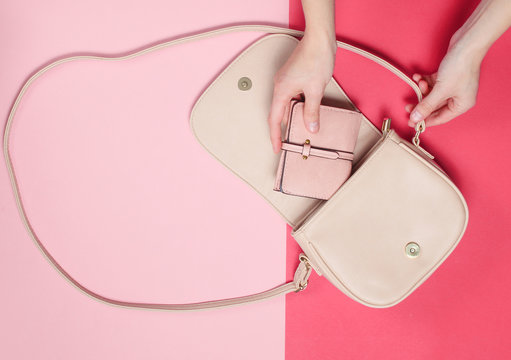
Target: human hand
308, 70
449, 92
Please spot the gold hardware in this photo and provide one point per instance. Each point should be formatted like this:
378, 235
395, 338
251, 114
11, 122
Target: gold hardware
307, 142
385, 128
419, 129
302, 286
412, 249
304, 259
244, 83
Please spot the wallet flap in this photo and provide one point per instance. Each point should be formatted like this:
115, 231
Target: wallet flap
339, 127
308, 173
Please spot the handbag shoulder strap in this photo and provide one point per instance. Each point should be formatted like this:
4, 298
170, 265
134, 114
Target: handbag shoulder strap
303, 270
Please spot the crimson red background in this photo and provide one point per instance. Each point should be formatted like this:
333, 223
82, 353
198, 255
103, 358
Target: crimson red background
461, 311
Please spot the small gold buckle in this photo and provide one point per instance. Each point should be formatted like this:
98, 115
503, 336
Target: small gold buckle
307, 142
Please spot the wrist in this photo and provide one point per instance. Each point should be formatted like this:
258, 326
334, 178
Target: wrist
321, 35
468, 46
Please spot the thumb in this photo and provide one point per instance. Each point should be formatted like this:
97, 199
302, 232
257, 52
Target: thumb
311, 111
430, 103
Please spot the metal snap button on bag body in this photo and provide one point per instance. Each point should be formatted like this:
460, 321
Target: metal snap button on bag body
412, 249
244, 83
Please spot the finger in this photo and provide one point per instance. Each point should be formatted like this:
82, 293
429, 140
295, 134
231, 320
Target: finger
311, 110
409, 108
424, 80
431, 79
416, 77
440, 116
430, 103
424, 86
277, 110
445, 114
434, 113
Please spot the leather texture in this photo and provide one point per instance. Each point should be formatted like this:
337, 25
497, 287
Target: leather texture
223, 112
396, 194
358, 239
226, 118
323, 161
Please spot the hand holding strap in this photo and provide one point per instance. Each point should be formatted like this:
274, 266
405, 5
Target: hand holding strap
303, 271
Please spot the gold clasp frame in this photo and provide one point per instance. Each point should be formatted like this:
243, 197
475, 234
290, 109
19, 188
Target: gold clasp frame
419, 129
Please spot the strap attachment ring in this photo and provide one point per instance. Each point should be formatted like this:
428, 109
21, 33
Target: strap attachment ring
419, 129
303, 272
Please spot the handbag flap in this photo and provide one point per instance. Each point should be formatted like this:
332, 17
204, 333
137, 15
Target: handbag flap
230, 121
390, 225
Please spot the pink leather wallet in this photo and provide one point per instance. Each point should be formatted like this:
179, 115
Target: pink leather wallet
315, 165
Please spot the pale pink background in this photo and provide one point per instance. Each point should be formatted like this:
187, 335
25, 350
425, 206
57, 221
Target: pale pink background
122, 194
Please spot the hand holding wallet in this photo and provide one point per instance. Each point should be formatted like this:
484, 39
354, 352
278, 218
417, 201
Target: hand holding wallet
315, 165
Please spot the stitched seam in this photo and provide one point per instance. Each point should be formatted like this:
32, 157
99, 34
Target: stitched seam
281, 175
314, 196
284, 153
280, 169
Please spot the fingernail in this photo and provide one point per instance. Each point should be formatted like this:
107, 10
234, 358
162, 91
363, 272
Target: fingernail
415, 116
313, 126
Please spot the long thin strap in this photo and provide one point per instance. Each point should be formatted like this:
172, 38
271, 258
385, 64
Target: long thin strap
303, 270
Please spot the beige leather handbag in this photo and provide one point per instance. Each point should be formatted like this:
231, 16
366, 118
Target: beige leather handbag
380, 236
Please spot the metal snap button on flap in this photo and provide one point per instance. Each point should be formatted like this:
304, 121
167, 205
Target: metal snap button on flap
244, 83
412, 249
